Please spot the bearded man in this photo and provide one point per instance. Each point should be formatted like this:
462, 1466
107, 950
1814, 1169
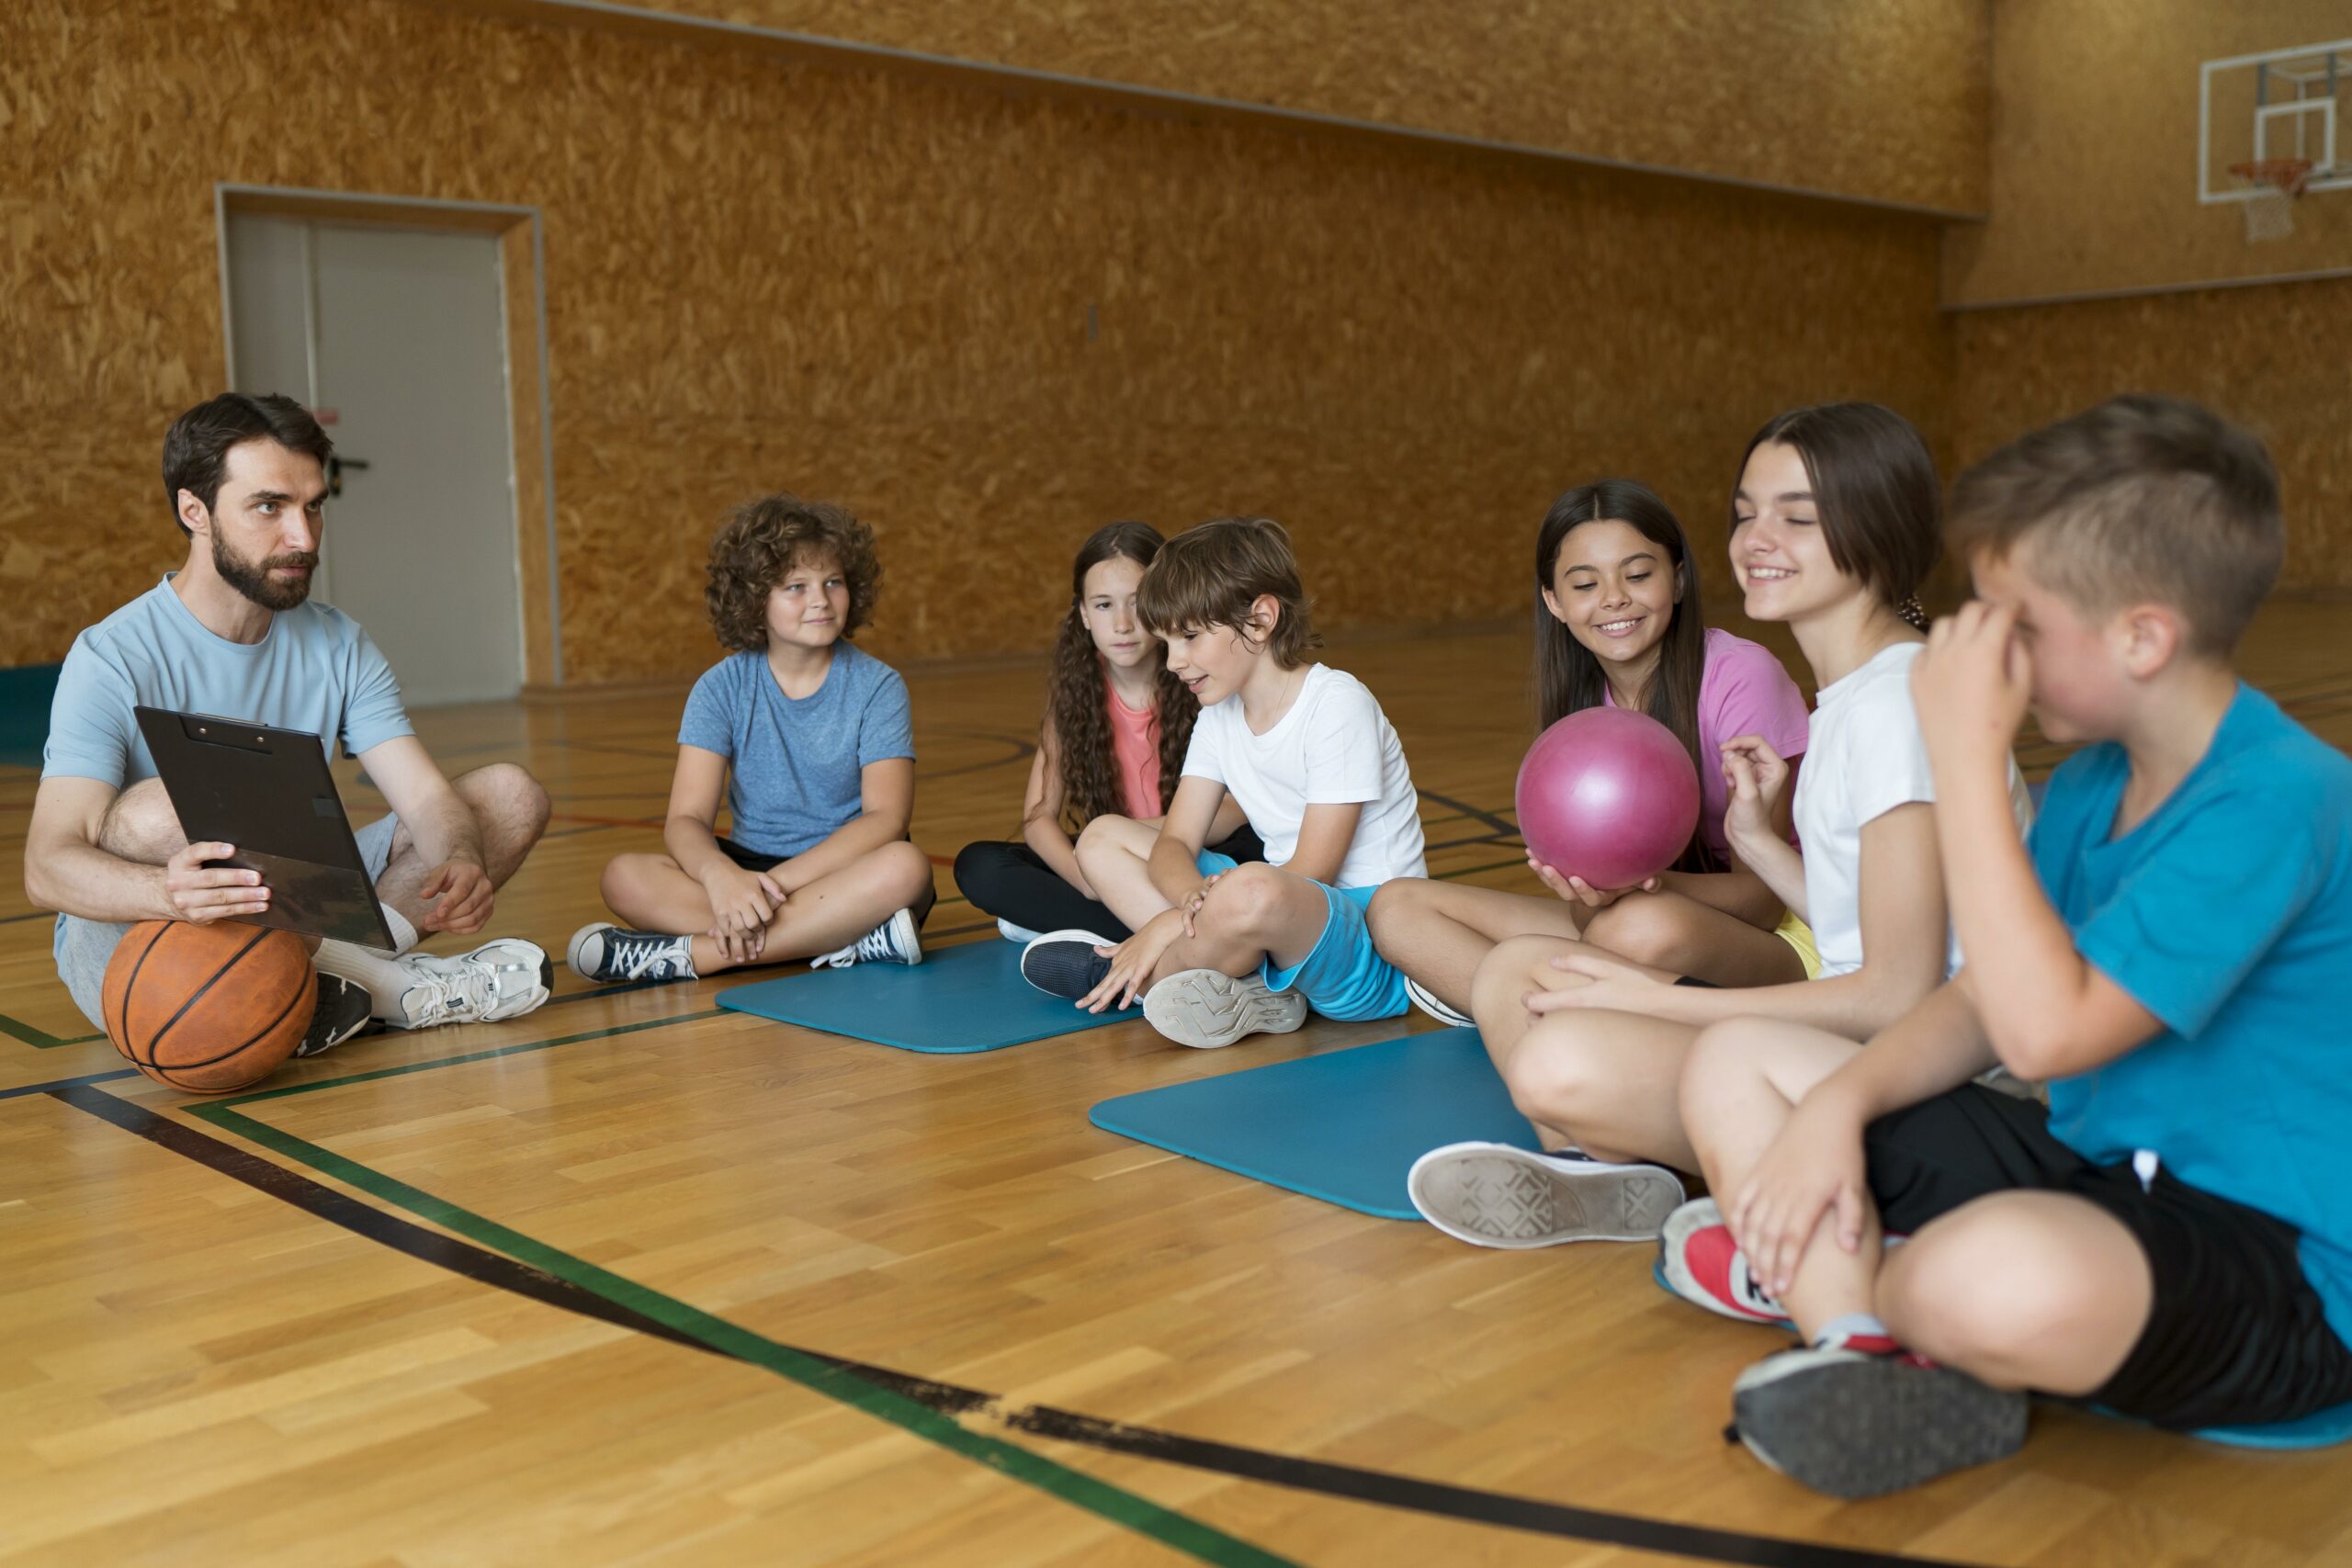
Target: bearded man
233, 632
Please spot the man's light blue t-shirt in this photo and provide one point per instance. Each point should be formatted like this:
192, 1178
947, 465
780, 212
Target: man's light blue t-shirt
793, 774
2228, 914
313, 670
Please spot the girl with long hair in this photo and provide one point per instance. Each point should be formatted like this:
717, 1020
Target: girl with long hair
1618, 622
1113, 742
1834, 528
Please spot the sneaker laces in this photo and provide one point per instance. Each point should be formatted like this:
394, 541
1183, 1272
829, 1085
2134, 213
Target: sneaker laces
444, 998
641, 956
874, 946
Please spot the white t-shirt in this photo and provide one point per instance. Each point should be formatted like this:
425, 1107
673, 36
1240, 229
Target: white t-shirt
1865, 758
1333, 748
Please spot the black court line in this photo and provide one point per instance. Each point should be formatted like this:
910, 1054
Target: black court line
1349, 1483
1506, 829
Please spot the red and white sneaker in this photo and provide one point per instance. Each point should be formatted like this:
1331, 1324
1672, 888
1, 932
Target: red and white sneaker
1698, 1260
1858, 1418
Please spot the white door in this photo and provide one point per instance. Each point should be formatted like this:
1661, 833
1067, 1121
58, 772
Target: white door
397, 338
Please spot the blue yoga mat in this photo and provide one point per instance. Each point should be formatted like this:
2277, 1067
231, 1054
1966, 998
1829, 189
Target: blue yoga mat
2320, 1429
957, 1001
1344, 1126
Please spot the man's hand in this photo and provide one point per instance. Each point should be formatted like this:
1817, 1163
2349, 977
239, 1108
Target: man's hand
1816, 1165
201, 894
1971, 686
1133, 961
459, 892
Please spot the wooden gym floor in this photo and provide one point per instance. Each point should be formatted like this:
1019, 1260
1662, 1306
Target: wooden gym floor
632, 1281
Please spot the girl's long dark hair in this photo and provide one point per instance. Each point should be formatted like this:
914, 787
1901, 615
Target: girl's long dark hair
1568, 676
1076, 700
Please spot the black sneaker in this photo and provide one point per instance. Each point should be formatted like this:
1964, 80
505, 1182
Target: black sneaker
345, 1009
1063, 963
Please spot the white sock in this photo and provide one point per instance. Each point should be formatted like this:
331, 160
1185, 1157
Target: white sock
382, 976
403, 935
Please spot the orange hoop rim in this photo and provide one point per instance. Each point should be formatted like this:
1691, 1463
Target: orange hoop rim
2287, 174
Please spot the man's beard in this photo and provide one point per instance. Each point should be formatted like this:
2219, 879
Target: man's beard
253, 580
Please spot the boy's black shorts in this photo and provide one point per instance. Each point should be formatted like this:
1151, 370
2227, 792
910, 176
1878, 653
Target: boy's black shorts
750, 860
2235, 1336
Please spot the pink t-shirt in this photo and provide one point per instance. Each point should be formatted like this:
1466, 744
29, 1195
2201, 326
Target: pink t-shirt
1742, 691
1135, 742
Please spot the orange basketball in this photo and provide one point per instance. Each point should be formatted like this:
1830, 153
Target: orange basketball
209, 1009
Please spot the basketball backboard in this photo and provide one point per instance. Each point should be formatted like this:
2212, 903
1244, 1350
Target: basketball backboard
2282, 103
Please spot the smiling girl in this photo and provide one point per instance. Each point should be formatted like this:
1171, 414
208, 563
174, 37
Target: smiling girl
810, 745
1112, 743
1618, 623
1834, 528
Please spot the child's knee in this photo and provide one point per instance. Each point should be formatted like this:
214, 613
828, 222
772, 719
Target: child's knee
624, 882
1984, 1285
1652, 930
903, 869
1552, 1080
1396, 909
1511, 967
1247, 904
1103, 836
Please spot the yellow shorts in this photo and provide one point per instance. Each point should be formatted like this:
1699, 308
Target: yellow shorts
1798, 935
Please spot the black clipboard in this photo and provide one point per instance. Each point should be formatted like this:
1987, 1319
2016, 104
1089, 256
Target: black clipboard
268, 792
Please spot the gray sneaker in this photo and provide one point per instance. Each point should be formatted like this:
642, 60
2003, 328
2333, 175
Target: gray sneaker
1500, 1195
1206, 1009
1859, 1424
496, 981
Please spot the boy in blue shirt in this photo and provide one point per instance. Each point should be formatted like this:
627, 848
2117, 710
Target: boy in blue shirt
812, 744
2172, 1238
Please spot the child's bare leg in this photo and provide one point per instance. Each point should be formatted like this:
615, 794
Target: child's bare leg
1255, 914
1438, 933
1498, 1003
1115, 854
1680, 934
1741, 1082
2021, 1289
652, 893
1608, 1081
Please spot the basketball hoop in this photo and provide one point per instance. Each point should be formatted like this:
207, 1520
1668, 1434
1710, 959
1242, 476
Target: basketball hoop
2274, 184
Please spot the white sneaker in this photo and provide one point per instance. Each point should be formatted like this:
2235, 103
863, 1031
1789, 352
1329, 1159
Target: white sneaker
895, 941
496, 981
1021, 935
1427, 1000
607, 951
1500, 1195
1206, 1009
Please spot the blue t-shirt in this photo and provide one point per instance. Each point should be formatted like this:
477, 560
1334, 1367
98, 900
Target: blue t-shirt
313, 670
2228, 914
794, 761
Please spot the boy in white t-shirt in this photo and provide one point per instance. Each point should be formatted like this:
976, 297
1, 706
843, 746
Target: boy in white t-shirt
1220, 951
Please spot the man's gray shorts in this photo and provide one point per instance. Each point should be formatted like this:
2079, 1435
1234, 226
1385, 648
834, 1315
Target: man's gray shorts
83, 947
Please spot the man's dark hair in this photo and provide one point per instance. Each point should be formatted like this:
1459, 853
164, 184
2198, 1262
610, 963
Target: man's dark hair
196, 448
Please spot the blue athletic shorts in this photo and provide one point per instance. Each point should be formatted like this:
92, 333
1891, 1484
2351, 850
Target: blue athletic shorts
1344, 978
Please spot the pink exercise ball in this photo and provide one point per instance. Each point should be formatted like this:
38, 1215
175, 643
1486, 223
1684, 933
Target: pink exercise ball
1608, 795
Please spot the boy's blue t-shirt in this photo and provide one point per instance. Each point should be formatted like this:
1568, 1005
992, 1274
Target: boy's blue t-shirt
794, 763
2228, 914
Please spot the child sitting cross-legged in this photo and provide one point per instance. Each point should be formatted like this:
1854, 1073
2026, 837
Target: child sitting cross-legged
1219, 951
2172, 1237
811, 744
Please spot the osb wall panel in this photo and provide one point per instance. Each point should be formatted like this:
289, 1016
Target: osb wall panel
2095, 152
2252, 354
986, 322
1883, 99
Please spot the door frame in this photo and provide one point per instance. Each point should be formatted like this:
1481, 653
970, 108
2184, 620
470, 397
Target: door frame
522, 250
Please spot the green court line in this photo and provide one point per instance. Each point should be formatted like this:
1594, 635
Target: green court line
39, 1040
1175, 1530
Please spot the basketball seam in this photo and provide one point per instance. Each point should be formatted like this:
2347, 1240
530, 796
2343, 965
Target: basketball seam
234, 959
265, 1032
132, 984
